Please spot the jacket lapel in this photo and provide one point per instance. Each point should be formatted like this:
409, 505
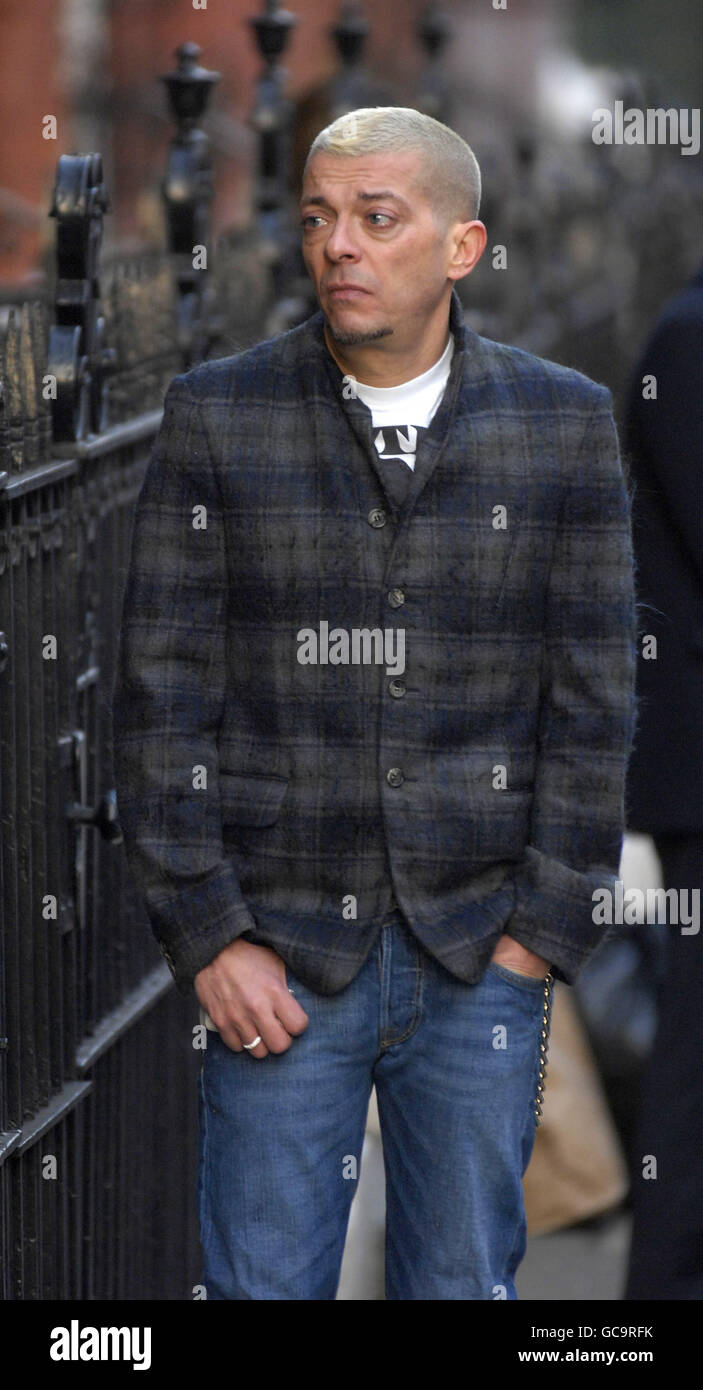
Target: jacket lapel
466, 424
439, 430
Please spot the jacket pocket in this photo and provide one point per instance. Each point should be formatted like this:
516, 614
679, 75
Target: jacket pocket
251, 798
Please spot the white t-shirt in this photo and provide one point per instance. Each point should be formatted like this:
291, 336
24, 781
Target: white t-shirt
399, 411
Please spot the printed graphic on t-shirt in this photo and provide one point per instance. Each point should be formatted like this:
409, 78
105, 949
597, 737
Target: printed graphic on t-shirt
398, 442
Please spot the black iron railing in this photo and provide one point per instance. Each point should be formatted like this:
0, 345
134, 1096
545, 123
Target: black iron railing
97, 1065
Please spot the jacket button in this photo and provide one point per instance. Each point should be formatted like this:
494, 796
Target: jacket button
394, 777
377, 517
397, 688
396, 597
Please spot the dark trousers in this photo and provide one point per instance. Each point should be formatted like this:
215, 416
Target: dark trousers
666, 1255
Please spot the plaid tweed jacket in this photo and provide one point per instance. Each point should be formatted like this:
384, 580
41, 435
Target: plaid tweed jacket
485, 784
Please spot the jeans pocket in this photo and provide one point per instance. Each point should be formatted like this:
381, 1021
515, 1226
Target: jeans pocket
531, 982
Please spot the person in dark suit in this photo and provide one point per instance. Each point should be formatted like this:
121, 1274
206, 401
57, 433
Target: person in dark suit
372, 710
664, 440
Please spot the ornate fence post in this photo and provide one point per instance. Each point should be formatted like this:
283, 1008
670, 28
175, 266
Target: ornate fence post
187, 191
350, 85
433, 97
78, 359
271, 118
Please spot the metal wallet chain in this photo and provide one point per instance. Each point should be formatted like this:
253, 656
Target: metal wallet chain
544, 1045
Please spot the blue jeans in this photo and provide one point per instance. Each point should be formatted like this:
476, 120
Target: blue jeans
456, 1070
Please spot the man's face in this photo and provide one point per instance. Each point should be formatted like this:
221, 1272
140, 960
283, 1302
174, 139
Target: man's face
366, 222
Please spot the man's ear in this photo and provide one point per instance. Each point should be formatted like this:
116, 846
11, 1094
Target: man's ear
468, 245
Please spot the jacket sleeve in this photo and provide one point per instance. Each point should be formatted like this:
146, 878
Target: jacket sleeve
168, 698
587, 709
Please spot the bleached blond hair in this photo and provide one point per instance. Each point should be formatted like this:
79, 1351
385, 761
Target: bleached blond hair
449, 177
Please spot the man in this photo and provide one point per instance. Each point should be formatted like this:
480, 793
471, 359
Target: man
665, 442
372, 714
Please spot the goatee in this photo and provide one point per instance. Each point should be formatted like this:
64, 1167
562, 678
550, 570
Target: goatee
352, 337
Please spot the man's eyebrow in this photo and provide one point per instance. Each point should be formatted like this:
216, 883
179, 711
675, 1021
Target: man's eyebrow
319, 201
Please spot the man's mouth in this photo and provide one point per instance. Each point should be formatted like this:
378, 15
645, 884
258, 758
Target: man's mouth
346, 292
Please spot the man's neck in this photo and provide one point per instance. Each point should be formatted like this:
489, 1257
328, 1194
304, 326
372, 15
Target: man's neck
372, 365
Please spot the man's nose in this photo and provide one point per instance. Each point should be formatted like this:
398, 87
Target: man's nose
341, 242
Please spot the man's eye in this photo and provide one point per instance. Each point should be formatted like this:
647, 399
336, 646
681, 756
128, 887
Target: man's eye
313, 217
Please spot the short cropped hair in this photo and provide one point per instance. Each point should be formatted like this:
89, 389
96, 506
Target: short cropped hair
450, 177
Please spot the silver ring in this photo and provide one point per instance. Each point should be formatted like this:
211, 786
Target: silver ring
251, 1044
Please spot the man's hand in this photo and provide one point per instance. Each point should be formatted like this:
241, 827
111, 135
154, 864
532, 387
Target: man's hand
245, 993
513, 956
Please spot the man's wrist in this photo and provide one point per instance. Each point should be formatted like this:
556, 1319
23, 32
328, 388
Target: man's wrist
513, 955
